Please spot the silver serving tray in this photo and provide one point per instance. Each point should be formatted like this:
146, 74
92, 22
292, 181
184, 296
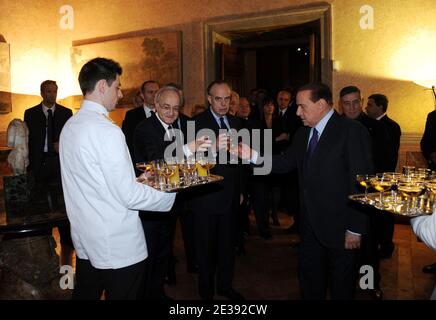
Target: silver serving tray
398, 207
211, 179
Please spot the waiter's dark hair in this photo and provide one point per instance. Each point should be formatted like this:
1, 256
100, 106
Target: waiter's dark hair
98, 69
380, 100
46, 83
318, 91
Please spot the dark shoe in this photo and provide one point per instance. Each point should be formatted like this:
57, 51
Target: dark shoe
276, 222
267, 236
292, 229
232, 294
192, 269
170, 278
376, 294
166, 298
386, 251
240, 251
431, 268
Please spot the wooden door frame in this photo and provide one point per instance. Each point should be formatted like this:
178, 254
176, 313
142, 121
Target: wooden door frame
284, 17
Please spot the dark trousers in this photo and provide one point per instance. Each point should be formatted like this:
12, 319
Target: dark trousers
384, 229
187, 222
158, 229
215, 252
259, 203
320, 265
118, 284
369, 248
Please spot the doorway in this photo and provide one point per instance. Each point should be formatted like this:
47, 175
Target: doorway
277, 50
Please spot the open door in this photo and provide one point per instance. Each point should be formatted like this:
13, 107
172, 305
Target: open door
229, 65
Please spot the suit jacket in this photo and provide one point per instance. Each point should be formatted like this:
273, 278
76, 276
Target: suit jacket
381, 143
428, 141
131, 120
218, 198
37, 123
289, 123
343, 151
148, 139
393, 144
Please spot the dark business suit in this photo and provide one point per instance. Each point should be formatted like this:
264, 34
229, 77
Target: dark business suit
132, 118
214, 211
45, 166
393, 145
39, 162
149, 144
428, 141
326, 181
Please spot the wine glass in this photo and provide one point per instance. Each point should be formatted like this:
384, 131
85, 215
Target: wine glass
411, 190
365, 181
167, 172
145, 167
381, 184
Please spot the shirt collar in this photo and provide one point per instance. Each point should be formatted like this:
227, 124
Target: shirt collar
45, 108
320, 126
217, 118
282, 111
94, 106
147, 110
163, 123
379, 118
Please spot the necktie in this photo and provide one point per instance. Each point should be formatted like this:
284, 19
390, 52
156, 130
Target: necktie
50, 146
222, 123
312, 145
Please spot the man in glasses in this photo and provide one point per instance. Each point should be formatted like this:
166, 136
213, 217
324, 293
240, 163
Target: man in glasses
216, 205
152, 140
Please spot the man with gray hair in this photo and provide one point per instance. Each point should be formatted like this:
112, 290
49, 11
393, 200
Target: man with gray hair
153, 139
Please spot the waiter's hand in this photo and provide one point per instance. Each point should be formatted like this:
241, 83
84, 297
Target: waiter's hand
352, 241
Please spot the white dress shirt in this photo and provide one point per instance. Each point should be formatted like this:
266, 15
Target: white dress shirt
148, 111
101, 193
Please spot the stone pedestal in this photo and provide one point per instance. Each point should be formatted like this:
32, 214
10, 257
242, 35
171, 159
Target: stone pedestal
17, 189
29, 269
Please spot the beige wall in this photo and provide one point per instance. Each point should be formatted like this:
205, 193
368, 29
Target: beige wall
379, 60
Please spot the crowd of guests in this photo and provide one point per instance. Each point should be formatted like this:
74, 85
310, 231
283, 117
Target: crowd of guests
123, 231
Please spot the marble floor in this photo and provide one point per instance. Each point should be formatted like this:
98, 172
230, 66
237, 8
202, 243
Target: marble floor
268, 271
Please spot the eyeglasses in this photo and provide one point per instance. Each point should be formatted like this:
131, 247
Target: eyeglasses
221, 99
166, 108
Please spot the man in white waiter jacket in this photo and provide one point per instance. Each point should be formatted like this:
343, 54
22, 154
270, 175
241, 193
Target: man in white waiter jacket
102, 196
425, 228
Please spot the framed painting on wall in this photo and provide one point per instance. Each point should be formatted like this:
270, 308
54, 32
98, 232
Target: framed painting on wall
5, 79
142, 55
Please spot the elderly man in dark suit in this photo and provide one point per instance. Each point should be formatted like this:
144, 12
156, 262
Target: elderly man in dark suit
328, 152
152, 137
45, 122
135, 116
215, 206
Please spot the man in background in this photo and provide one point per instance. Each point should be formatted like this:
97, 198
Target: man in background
135, 116
45, 122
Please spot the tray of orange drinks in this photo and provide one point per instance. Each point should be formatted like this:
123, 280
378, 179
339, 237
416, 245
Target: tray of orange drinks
174, 177
411, 193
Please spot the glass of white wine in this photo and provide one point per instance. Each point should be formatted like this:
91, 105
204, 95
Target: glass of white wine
364, 180
411, 190
381, 184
